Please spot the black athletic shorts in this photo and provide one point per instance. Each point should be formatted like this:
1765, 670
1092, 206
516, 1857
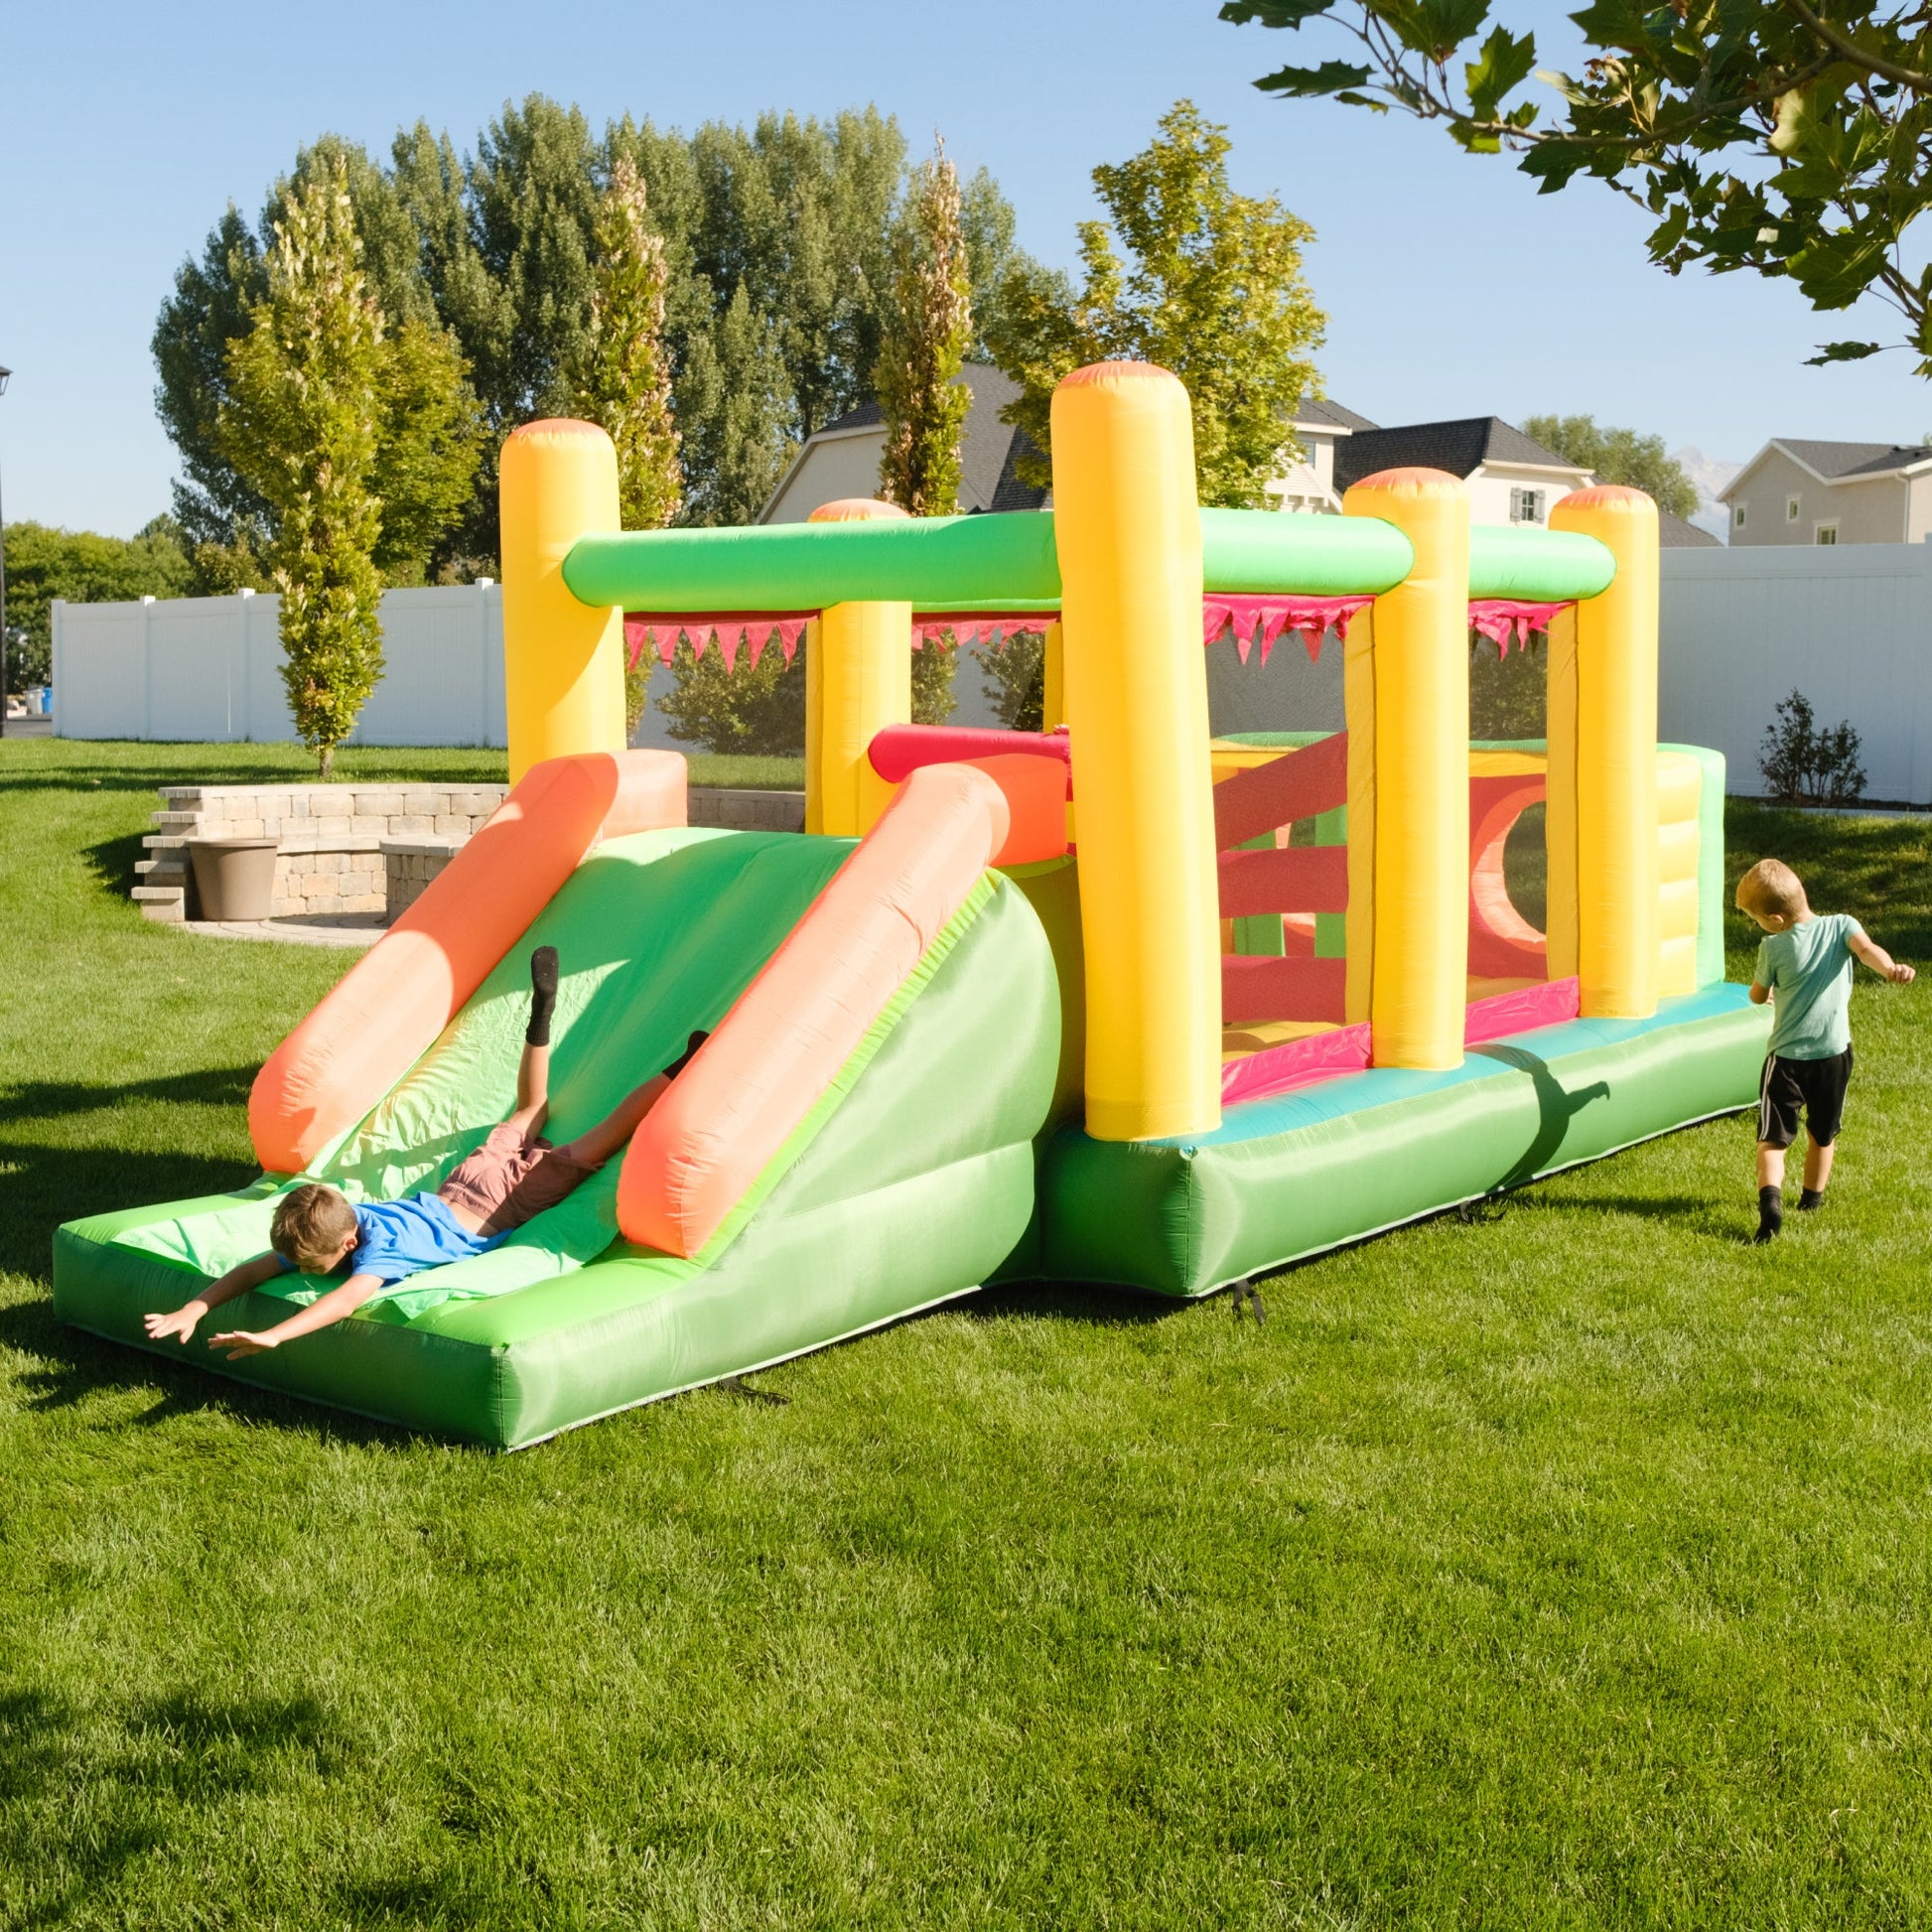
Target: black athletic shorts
1817, 1086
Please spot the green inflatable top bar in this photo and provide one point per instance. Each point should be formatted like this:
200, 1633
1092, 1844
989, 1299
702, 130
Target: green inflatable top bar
1009, 562
1537, 566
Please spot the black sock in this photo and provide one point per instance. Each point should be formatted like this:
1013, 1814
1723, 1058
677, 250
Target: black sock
1770, 1214
1812, 1199
683, 1060
543, 994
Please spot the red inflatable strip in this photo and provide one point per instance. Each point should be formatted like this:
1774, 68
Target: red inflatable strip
1547, 1004
900, 750
1298, 784
1295, 1063
1345, 1050
1255, 989
1290, 879
731, 631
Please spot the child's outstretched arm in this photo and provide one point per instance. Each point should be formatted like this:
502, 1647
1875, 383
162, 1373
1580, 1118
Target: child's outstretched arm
332, 1307
1879, 960
178, 1326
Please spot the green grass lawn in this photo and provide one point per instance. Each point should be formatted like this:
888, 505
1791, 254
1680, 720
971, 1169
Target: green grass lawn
1570, 1567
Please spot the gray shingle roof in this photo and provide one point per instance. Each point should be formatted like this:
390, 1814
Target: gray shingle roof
1460, 448
1673, 533
1842, 459
1319, 411
1892, 458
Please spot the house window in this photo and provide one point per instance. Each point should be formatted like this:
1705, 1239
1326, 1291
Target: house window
1526, 506
1791, 509
1825, 533
1736, 516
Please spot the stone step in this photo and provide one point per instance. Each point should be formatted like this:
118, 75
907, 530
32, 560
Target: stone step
163, 903
161, 872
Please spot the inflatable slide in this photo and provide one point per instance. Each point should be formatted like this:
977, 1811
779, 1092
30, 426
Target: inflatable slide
854, 1142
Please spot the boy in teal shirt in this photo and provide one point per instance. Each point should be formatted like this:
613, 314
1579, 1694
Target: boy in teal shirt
1804, 962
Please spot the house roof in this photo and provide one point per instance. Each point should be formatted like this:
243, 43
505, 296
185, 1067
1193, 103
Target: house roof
1461, 448
1835, 463
987, 445
1317, 412
1673, 533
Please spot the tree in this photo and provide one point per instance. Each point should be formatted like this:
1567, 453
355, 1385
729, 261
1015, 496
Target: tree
225, 523
731, 402
80, 567
1619, 456
1013, 675
753, 711
622, 378
929, 327
1756, 133
1213, 292
299, 425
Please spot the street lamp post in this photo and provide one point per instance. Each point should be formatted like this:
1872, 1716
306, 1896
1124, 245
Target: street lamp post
5, 375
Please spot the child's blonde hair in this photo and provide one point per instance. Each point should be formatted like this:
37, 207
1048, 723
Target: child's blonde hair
1772, 888
311, 1224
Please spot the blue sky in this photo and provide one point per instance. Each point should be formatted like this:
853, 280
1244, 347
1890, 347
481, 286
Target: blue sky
1451, 288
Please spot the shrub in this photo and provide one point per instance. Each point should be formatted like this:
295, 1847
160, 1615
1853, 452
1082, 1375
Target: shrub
1803, 765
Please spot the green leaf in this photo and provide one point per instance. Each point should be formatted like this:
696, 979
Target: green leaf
1274, 13
1309, 83
1506, 61
1842, 352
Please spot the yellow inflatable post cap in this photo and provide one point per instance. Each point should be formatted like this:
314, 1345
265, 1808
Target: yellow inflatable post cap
1414, 482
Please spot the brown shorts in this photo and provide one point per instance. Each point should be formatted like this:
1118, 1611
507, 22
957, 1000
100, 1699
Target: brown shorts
511, 1180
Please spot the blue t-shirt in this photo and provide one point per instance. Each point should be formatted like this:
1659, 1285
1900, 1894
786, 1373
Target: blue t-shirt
400, 1238
1808, 968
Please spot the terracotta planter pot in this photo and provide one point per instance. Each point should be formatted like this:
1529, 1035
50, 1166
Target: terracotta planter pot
234, 877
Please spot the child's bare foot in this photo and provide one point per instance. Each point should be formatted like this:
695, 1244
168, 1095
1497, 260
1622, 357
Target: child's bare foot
543, 994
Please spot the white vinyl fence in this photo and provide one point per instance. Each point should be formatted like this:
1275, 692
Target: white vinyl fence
1848, 625
210, 668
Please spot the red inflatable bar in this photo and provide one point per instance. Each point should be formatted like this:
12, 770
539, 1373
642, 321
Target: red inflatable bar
900, 750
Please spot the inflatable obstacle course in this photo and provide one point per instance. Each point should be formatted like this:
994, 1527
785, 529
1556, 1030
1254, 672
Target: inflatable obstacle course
1110, 1002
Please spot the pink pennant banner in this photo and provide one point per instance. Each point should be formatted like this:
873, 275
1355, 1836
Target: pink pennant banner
1261, 620
731, 631
1503, 618
968, 626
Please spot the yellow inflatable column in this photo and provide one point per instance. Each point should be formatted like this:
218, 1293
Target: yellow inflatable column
563, 661
1052, 693
1604, 759
1126, 523
1419, 655
858, 680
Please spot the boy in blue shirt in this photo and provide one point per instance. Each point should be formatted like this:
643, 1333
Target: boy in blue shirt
511, 1178
1805, 963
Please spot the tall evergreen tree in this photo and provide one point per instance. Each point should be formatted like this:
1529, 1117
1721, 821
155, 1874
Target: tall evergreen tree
299, 425
624, 378
924, 404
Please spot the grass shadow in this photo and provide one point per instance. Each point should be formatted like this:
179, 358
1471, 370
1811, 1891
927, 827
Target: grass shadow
69, 1366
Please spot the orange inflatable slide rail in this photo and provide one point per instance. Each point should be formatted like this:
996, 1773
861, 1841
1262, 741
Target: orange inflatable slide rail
387, 1011
751, 1084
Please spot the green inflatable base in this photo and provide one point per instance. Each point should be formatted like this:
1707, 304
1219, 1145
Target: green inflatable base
1330, 1163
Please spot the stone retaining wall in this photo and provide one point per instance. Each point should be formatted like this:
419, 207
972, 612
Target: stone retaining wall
330, 839
363, 848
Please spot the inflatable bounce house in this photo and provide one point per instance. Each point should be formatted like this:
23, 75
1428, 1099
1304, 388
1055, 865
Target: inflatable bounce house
1111, 1003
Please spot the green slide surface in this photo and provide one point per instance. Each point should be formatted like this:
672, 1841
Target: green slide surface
911, 1181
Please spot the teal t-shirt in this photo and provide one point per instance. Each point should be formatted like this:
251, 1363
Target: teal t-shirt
1809, 971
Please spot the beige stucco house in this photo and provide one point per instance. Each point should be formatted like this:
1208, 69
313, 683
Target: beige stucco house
1796, 491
